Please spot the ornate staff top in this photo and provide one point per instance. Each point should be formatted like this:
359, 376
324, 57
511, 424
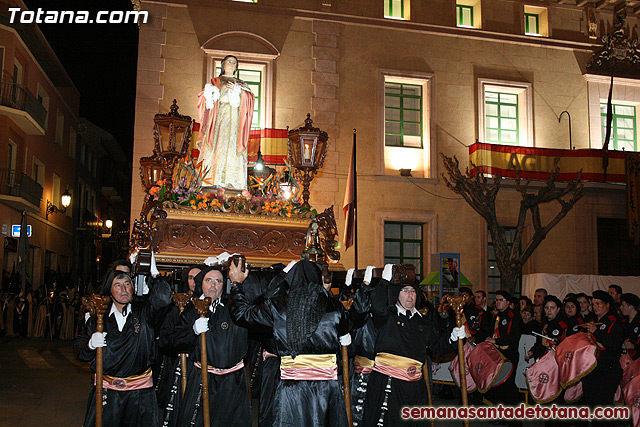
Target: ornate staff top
201, 305
182, 299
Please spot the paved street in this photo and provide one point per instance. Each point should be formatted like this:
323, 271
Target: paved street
42, 384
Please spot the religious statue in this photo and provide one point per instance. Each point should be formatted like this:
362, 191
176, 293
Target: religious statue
225, 111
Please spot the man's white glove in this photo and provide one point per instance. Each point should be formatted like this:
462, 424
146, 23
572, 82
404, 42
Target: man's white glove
98, 339
457, 334
224, 256
368, 274
349, 278
211, 261
145, 287
387, 273
345, 340
87, 316
289, 266
133, 257
154, 270
201, 325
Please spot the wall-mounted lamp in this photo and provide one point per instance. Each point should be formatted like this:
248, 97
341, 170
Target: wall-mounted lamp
65, 199
405, 172
108, 223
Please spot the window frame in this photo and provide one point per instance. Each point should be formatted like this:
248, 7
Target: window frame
459, 19
614, 124
12, 156
405, 8
73, 136
401, 259
500, 106
526, 137
38, 177
527, 29
422, 161
258, 61
402, 110
43, 96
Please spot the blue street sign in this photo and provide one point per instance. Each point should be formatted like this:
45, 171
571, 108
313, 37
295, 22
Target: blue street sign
15, 230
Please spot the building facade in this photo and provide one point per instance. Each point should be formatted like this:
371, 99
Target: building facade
39, 107
416, 79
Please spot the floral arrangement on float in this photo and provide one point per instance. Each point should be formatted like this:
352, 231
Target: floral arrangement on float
274, 194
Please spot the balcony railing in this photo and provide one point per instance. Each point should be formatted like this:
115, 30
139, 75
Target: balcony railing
17, 184
17, 96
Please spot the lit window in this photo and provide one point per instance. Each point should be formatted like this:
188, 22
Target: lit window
465, 15
403, 244
536, 21
531, 24
406, 130
403, 115
501, 117
623, 126
506, 113
396, 9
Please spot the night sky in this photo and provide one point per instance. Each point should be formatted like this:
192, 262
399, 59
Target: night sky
101, 60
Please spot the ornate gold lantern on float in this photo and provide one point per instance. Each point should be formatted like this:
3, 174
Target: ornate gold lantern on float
307, 147
170, 131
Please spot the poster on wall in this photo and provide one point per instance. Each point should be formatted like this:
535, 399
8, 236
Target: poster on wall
449, 273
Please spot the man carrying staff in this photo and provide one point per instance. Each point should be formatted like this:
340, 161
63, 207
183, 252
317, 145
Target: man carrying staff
309, 325
169, 385
128, 352
403, 336
226, 347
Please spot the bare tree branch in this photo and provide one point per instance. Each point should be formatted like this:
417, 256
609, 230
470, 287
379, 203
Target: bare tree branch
481, 196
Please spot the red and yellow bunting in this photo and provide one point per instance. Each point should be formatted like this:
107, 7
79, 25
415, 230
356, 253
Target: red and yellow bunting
272, 144
537, 163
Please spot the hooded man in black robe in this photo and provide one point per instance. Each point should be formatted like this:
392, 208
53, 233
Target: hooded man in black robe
169, 382
403, 337
128, 352
226, 347
307, 324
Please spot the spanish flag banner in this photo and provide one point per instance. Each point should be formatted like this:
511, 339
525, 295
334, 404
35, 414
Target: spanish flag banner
272, 144
537, 163
633, 192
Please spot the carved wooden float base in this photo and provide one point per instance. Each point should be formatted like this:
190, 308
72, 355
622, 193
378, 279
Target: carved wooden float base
188, 237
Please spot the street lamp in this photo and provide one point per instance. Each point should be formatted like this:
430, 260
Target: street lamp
65, 200
108, 223
307, 148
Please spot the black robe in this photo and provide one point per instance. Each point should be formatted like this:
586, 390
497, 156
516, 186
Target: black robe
600, 385
299, 403
556, 329
402, 337
632, 333
169, 380
229, 393
362, 344
128, 352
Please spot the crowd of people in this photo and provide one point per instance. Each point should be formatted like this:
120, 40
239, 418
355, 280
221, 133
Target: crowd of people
276, 334
53, 312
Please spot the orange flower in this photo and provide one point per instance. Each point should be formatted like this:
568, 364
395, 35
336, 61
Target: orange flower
153, 190
192, 202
